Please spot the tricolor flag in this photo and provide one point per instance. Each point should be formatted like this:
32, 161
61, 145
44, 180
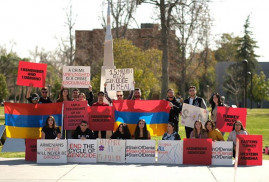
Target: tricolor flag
154, 112
27, 120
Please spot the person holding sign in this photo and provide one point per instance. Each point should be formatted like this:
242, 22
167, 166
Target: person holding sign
40, 100
64, 95
90, 98
100, 102
238, 129
119, 95
83, 132
215, 102
199, 130
171, 133
213, 133
196, 101
50, 131
141, 131
175, 108
122, 132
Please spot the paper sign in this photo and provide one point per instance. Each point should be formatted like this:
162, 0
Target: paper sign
83, 151
31, 74
191, 113
222, 153
74, 113
30, 149
197, 151
110, 150
250, 150
76, 76
140, 151
119, 79
101, 118
51, 151
226, 116
170, 152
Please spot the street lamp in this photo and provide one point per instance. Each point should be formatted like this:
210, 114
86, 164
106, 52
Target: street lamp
246, 75
250, 89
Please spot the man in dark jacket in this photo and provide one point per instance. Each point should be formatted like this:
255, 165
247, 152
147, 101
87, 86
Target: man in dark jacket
196, 101
175, 108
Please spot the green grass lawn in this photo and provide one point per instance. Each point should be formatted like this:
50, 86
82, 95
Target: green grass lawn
257, 124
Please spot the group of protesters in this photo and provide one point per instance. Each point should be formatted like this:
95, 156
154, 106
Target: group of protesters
50, 131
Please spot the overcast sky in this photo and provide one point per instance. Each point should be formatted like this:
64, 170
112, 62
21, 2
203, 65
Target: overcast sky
39, 22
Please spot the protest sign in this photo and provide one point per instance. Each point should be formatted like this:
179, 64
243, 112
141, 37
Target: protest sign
191, 113
119, 79
250, 150
197, 151
74, 113
51, 151
140, 151
222, 153
101, 118
170, 152
110, 150
83, 151
30, 149
76, 76
226, 116
31, 74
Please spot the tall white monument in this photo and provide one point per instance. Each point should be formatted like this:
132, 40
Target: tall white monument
108, 54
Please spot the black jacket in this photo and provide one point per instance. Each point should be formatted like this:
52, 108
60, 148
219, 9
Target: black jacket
175, 110
78, 134
198, 101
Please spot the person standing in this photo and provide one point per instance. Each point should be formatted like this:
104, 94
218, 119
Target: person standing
41, 100
215, 102
175, 108
75, 94
195, 101
100, 102
119, 95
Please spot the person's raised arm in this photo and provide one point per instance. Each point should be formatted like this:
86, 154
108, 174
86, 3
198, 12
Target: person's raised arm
106, 94
131, 93
90, 99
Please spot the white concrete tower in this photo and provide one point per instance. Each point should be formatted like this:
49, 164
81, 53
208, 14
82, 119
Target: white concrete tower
108, 53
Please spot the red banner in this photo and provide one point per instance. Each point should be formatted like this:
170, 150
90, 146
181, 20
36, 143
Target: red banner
226, 116
30, 149
74, 113
197, 151
101, 118
31, 74
250, 150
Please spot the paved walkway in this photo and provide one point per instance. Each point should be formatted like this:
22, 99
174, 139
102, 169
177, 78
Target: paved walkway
20, 170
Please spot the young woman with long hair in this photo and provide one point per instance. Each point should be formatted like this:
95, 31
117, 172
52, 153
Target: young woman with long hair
141, 131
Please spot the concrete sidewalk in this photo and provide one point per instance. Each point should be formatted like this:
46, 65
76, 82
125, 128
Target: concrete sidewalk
14, 169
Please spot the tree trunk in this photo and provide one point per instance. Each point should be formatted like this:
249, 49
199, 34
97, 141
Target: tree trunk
164, 38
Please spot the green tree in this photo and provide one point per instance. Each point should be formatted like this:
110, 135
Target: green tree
146, 65
246, 46
227, 48
260, 91
3, 88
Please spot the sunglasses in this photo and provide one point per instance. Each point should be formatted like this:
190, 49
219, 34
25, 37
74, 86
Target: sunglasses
119, 95
44, 92
83, 125
35, 98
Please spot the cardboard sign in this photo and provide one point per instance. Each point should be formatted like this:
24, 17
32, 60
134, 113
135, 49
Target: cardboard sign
226, 116
119, 79
250, 150
170, 152
222, 153
101, 118
30, 149
76, 76
31, 74
51, 151
197, 151
83, 151
191, 113
110, 150
140, 151
74, 113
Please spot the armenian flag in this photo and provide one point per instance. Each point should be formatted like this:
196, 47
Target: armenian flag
154, 112
27, 120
